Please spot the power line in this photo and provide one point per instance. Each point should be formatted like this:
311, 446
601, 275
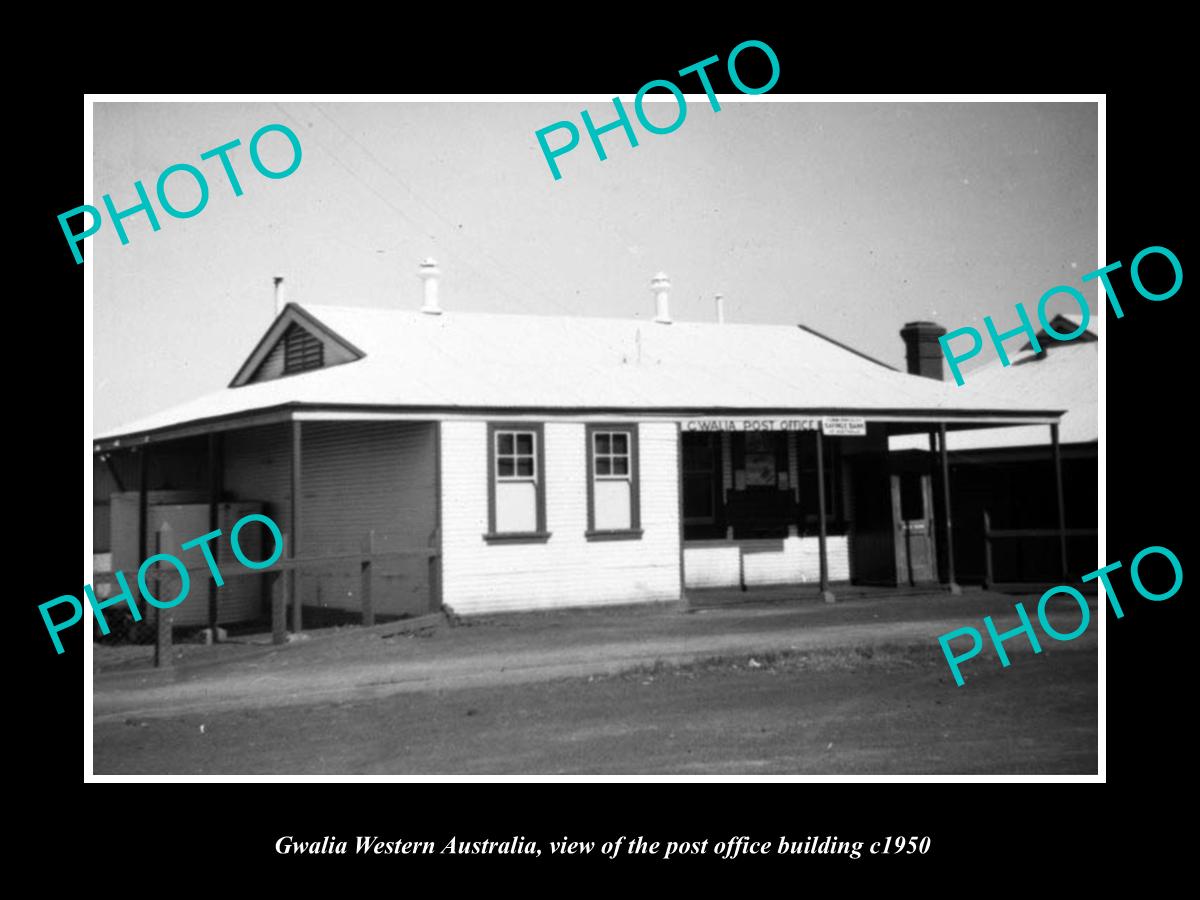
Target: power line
482, 251
585, 333
425, 232
357, 178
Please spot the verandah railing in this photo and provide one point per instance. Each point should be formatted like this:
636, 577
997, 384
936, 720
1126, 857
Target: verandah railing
283, 577
994, 534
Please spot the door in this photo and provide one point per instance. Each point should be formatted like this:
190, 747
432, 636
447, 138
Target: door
873, 541
702, 514
912, 507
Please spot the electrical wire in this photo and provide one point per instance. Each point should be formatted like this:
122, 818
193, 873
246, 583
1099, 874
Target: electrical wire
452, 230
422, 230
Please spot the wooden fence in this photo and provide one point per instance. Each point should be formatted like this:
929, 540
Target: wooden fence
993, 534
283, 575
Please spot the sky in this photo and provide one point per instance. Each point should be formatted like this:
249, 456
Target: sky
850, 218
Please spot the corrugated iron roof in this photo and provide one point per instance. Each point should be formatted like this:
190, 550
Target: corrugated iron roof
508, 362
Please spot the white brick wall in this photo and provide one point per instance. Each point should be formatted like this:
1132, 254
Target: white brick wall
566, 570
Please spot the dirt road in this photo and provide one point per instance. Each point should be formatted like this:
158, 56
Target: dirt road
886, 709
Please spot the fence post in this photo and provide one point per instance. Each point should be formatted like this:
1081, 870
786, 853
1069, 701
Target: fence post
279, 600
368, 603
162, 617
988, 579
297, 611
435, 568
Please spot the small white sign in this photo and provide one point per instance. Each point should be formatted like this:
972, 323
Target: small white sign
844, 426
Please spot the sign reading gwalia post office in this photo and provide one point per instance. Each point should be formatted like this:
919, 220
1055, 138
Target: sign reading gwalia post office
840, 426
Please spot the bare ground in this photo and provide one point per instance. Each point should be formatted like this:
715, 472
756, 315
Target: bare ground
877, 709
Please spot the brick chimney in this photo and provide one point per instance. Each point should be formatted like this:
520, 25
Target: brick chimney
923, 350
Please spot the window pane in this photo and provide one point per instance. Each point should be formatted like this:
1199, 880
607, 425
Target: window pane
504, 467
525, 466
620, 465
505, 442
620, 442
602, 443
524, 442
912, 497
612, 508
603, 465
516, 506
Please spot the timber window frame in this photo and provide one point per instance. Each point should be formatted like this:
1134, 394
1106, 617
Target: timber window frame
516, 454
613, 457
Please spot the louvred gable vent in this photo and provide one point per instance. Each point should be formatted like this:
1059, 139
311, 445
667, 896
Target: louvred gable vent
301, 351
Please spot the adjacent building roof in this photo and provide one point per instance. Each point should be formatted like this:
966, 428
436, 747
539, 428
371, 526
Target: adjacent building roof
401, 360
1065, 375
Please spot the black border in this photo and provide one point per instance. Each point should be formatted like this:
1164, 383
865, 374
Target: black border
1012, 830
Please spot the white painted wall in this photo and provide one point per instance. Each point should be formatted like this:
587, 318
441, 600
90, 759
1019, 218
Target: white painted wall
793, 560
567, 570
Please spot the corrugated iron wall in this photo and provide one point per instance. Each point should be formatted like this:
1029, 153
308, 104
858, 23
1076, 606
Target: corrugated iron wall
355, 477
239, 599
258, 467
363, 476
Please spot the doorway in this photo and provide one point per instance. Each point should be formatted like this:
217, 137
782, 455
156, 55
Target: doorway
703, 509
912, 513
